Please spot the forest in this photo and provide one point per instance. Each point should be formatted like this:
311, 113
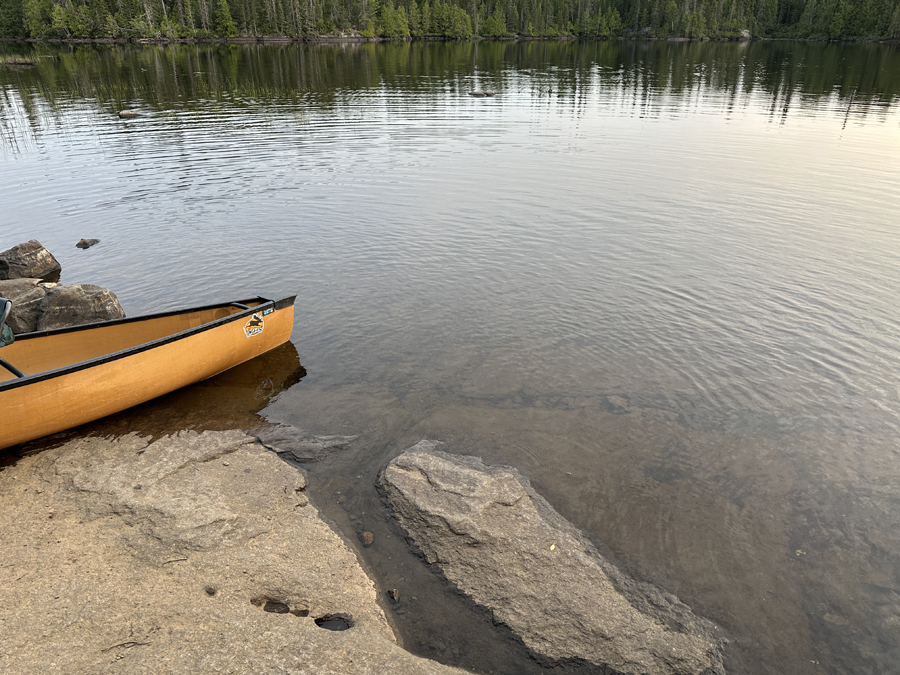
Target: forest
451, 19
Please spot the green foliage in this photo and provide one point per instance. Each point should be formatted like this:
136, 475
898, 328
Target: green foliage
12, 19
494, 25
452, 19
836, 27
38, 18
223, 23
416, 28
393, 22
671, 16
449, 21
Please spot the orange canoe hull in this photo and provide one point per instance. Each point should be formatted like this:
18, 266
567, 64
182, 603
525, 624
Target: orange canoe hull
123, 368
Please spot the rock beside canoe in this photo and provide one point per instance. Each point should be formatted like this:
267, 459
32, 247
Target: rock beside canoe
197, 553
29, 260
504, 546
26, 305
78, 304
13, 288
28, 274
39, 305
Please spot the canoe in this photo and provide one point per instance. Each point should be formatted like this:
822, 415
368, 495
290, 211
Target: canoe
70, 376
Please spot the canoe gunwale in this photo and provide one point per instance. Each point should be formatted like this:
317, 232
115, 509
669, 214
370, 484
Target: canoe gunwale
144, 346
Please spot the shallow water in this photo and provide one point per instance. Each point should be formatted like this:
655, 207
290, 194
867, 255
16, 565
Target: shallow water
660, 279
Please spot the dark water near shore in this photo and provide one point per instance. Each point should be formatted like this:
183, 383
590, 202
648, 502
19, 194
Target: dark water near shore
660, 279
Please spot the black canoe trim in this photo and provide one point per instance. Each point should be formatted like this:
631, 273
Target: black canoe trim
144, 346
285, 302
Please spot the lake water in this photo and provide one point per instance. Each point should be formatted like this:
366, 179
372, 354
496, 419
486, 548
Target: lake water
661, 279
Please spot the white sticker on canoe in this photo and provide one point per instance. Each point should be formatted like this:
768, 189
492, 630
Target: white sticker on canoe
254, 326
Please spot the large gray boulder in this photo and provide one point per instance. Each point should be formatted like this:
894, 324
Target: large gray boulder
13, 288
26, 310
78, 304
29, 260
39, 305
504, 546
26, 296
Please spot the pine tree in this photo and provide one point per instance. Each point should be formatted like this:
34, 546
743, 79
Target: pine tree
223, 23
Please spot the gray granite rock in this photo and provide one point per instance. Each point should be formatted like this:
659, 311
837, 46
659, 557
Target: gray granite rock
26, 296
197, 553
39, 305
26, 310
301, 445
29, 260
13, 288
504, 546
77, 304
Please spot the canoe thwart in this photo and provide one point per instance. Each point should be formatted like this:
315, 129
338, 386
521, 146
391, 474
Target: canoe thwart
11, 368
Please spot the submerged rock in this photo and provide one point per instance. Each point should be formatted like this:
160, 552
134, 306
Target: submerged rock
86, 243
301, 445
29, 260
504, 546
78, 304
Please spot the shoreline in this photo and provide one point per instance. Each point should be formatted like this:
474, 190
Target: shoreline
126, 553
359, 39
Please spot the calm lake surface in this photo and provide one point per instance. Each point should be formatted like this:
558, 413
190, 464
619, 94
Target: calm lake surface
661, 279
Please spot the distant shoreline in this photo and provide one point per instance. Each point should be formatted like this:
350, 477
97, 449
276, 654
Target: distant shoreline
359, 39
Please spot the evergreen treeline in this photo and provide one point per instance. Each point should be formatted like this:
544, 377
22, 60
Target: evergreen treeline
825, 19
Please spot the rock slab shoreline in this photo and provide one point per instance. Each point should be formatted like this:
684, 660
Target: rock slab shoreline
196, 553
504, 546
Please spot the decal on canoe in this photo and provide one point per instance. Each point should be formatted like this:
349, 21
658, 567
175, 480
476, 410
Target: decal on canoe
254, 326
